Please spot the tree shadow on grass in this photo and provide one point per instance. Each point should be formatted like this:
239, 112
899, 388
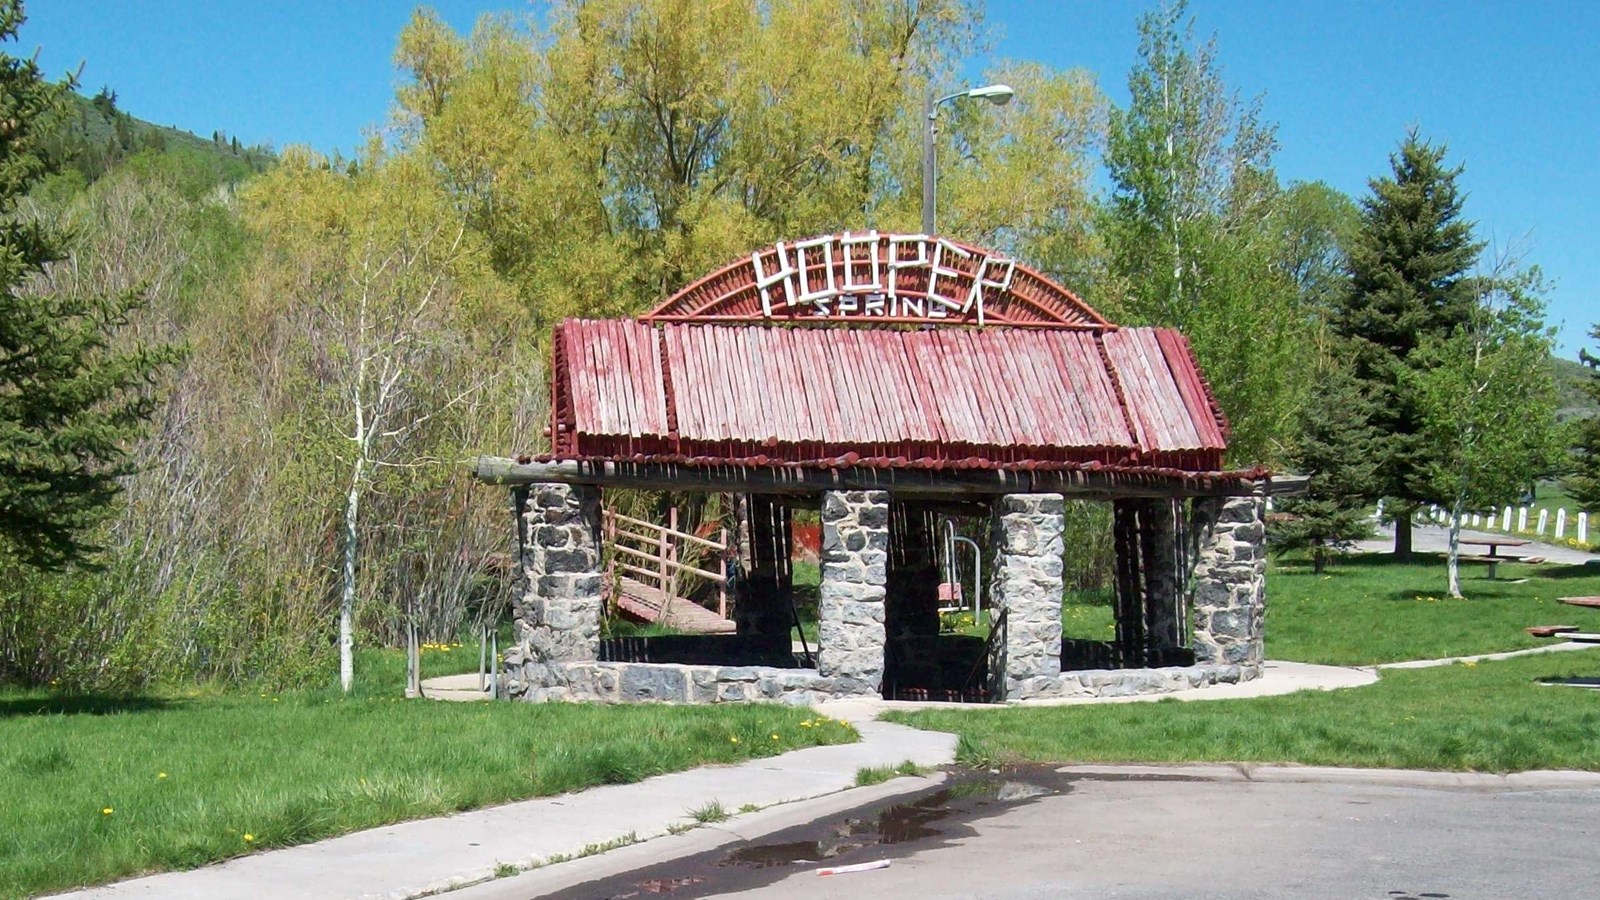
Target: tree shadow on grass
1564, 571
83, 705
1352, 563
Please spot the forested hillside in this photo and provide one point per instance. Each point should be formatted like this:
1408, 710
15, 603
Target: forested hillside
94, 137
1570, 378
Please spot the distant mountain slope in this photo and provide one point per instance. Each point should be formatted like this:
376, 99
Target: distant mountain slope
1570, 377
95, 137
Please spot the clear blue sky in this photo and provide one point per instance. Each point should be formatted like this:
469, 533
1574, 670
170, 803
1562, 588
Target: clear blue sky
1512, 87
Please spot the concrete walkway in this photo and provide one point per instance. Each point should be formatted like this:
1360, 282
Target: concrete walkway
413, 859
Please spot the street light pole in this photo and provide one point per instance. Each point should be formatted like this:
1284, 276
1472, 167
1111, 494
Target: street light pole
930, 126
998, 94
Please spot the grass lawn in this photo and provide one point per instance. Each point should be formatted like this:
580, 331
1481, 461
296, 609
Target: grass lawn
100, 788
1494, 717
1370, 609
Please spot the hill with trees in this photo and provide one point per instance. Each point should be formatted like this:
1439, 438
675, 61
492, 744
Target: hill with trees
94, 136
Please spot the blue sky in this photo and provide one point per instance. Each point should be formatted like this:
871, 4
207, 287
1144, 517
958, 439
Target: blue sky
1512, 88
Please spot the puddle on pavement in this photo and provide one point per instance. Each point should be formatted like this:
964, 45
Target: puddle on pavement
934, 817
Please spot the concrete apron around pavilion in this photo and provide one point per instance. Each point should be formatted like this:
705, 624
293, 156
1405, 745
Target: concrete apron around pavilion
559, 600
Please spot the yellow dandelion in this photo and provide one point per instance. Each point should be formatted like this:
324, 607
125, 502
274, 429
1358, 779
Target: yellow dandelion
161, 774
1469, 663
733, 740
249, 838
107, 811
774, 736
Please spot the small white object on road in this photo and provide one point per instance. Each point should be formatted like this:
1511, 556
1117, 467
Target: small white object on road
858, 867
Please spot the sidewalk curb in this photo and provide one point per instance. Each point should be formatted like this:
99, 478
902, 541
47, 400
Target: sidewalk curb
748, 827
1536, 780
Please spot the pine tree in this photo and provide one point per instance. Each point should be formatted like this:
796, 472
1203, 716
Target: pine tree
69, 401
1335, 450
1409, 283
1583, 484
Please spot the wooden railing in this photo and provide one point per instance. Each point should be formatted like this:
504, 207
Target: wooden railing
651, 554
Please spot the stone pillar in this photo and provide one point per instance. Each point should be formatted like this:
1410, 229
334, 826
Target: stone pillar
911, 607
560, 593
1026, 587
855, 551
769, 579
1230, 583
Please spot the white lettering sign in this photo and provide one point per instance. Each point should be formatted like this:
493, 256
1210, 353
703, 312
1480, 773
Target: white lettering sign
870, 275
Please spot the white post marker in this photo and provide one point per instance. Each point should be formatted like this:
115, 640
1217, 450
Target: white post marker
1583, 528
1544, 521
1522, 519
1561, 522
1474, 520
1505, 520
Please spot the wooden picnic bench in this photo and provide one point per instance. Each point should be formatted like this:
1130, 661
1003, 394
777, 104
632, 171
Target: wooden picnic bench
1570, 632
1494, 558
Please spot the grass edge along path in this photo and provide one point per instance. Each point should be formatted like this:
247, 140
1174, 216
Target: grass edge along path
1485, 717
102, 789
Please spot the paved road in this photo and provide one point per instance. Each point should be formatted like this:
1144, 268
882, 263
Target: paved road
1435, 539
1172, 839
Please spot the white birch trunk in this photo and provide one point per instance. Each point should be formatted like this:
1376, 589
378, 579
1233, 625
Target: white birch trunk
1454, 556
347, 586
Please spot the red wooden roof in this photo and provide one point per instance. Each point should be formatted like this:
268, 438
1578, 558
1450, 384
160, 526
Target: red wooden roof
993, 397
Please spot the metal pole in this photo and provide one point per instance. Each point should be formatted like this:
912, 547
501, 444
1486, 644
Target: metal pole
483, 656
928, 173
494, 657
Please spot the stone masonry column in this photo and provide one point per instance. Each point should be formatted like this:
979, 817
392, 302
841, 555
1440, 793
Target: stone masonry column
1026, 539
560, 593
1230, 584
855, 553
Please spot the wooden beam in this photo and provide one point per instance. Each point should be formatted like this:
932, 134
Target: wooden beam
1094, 484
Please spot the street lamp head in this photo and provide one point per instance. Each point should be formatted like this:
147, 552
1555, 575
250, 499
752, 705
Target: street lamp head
998, 94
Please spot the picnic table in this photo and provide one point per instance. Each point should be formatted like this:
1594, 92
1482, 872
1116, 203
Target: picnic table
1493, 557
1570, 632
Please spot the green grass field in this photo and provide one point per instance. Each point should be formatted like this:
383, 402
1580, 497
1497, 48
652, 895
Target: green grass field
1493, 717
101, 788
1370, 609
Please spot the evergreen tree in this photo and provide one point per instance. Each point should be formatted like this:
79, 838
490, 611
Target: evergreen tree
69, 401
1409, 284
1336, 451
1583, 484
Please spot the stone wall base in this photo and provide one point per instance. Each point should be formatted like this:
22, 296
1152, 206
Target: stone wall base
1131, 682
604, 682
608, 682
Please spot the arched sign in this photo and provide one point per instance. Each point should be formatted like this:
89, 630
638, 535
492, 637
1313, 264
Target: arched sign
868, 277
